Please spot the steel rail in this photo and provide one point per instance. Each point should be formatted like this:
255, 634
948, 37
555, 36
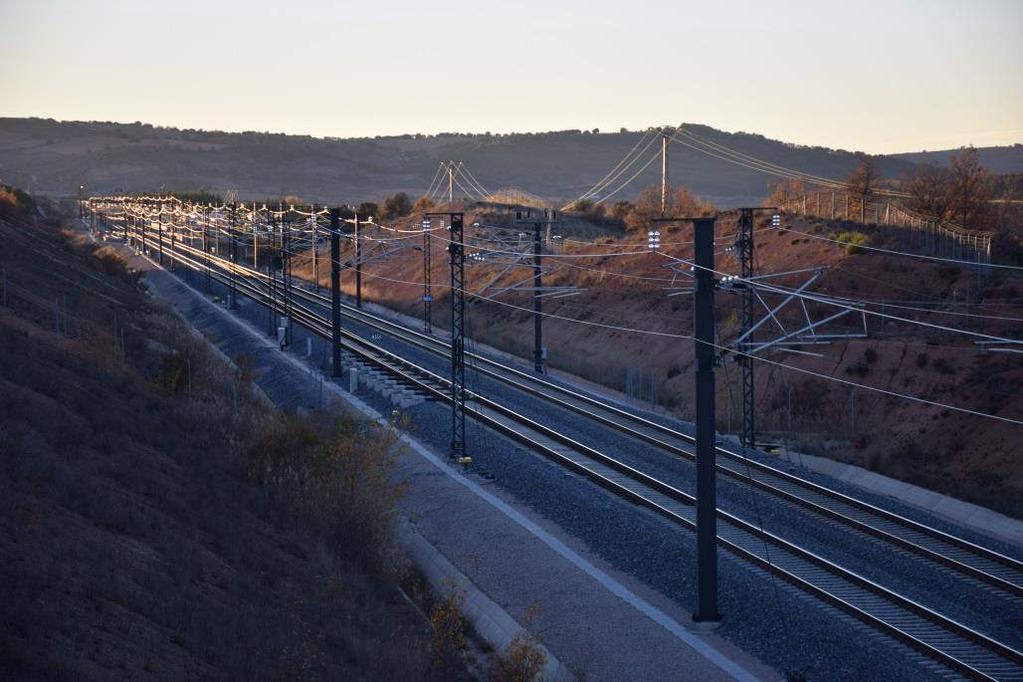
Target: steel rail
955, 645
972, 560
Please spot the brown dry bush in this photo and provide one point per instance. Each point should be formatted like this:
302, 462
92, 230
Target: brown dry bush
336, 471
523, 660
448, 645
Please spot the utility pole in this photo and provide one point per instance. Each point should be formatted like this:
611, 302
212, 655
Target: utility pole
206, 244
173, 230
706, 492
160, 235
457, 340
271, 272
286, 267
706, 472
315, 237
233, 297
427, 283
744, 247
255, 239
664, 173
456, 249
335, 291
539, 353
451, 181
744, 253
358, 262
549, 217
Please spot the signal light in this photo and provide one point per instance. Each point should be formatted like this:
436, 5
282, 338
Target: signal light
775, 220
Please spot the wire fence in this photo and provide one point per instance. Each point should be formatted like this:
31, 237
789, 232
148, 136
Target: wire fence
927, 236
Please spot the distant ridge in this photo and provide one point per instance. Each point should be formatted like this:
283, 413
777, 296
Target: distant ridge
56, 157
1007, 159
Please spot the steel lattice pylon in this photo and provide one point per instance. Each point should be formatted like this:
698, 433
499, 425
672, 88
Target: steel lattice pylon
271, 281
427, 282
286, 276
744, 253
457, 251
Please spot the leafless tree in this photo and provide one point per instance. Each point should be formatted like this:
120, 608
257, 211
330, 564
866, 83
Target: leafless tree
971, 190
865, 178
681, 203
930, 190
786, 191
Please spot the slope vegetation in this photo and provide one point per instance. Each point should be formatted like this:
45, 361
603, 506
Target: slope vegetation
133, 540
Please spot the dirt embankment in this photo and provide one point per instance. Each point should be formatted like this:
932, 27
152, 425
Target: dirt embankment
592, 332
134, 542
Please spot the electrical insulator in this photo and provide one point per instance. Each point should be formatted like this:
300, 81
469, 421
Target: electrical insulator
654, 240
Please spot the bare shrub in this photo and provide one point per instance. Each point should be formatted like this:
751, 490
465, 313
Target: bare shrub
523, 660
448, 644
337, 472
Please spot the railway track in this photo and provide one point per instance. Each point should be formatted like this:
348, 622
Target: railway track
959, 648
977, 562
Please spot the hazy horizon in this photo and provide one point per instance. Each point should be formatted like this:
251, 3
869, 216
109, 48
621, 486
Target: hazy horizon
892, 77
615, 130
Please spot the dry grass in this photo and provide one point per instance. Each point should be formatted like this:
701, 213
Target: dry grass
523, 660
134, 542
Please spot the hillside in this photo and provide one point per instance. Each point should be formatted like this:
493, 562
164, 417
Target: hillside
1000, 160
134, 542
56, 157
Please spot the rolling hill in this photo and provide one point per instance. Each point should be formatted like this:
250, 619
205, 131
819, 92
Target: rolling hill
55, 157
1002, 160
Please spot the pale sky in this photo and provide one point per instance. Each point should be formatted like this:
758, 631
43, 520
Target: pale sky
872, 76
